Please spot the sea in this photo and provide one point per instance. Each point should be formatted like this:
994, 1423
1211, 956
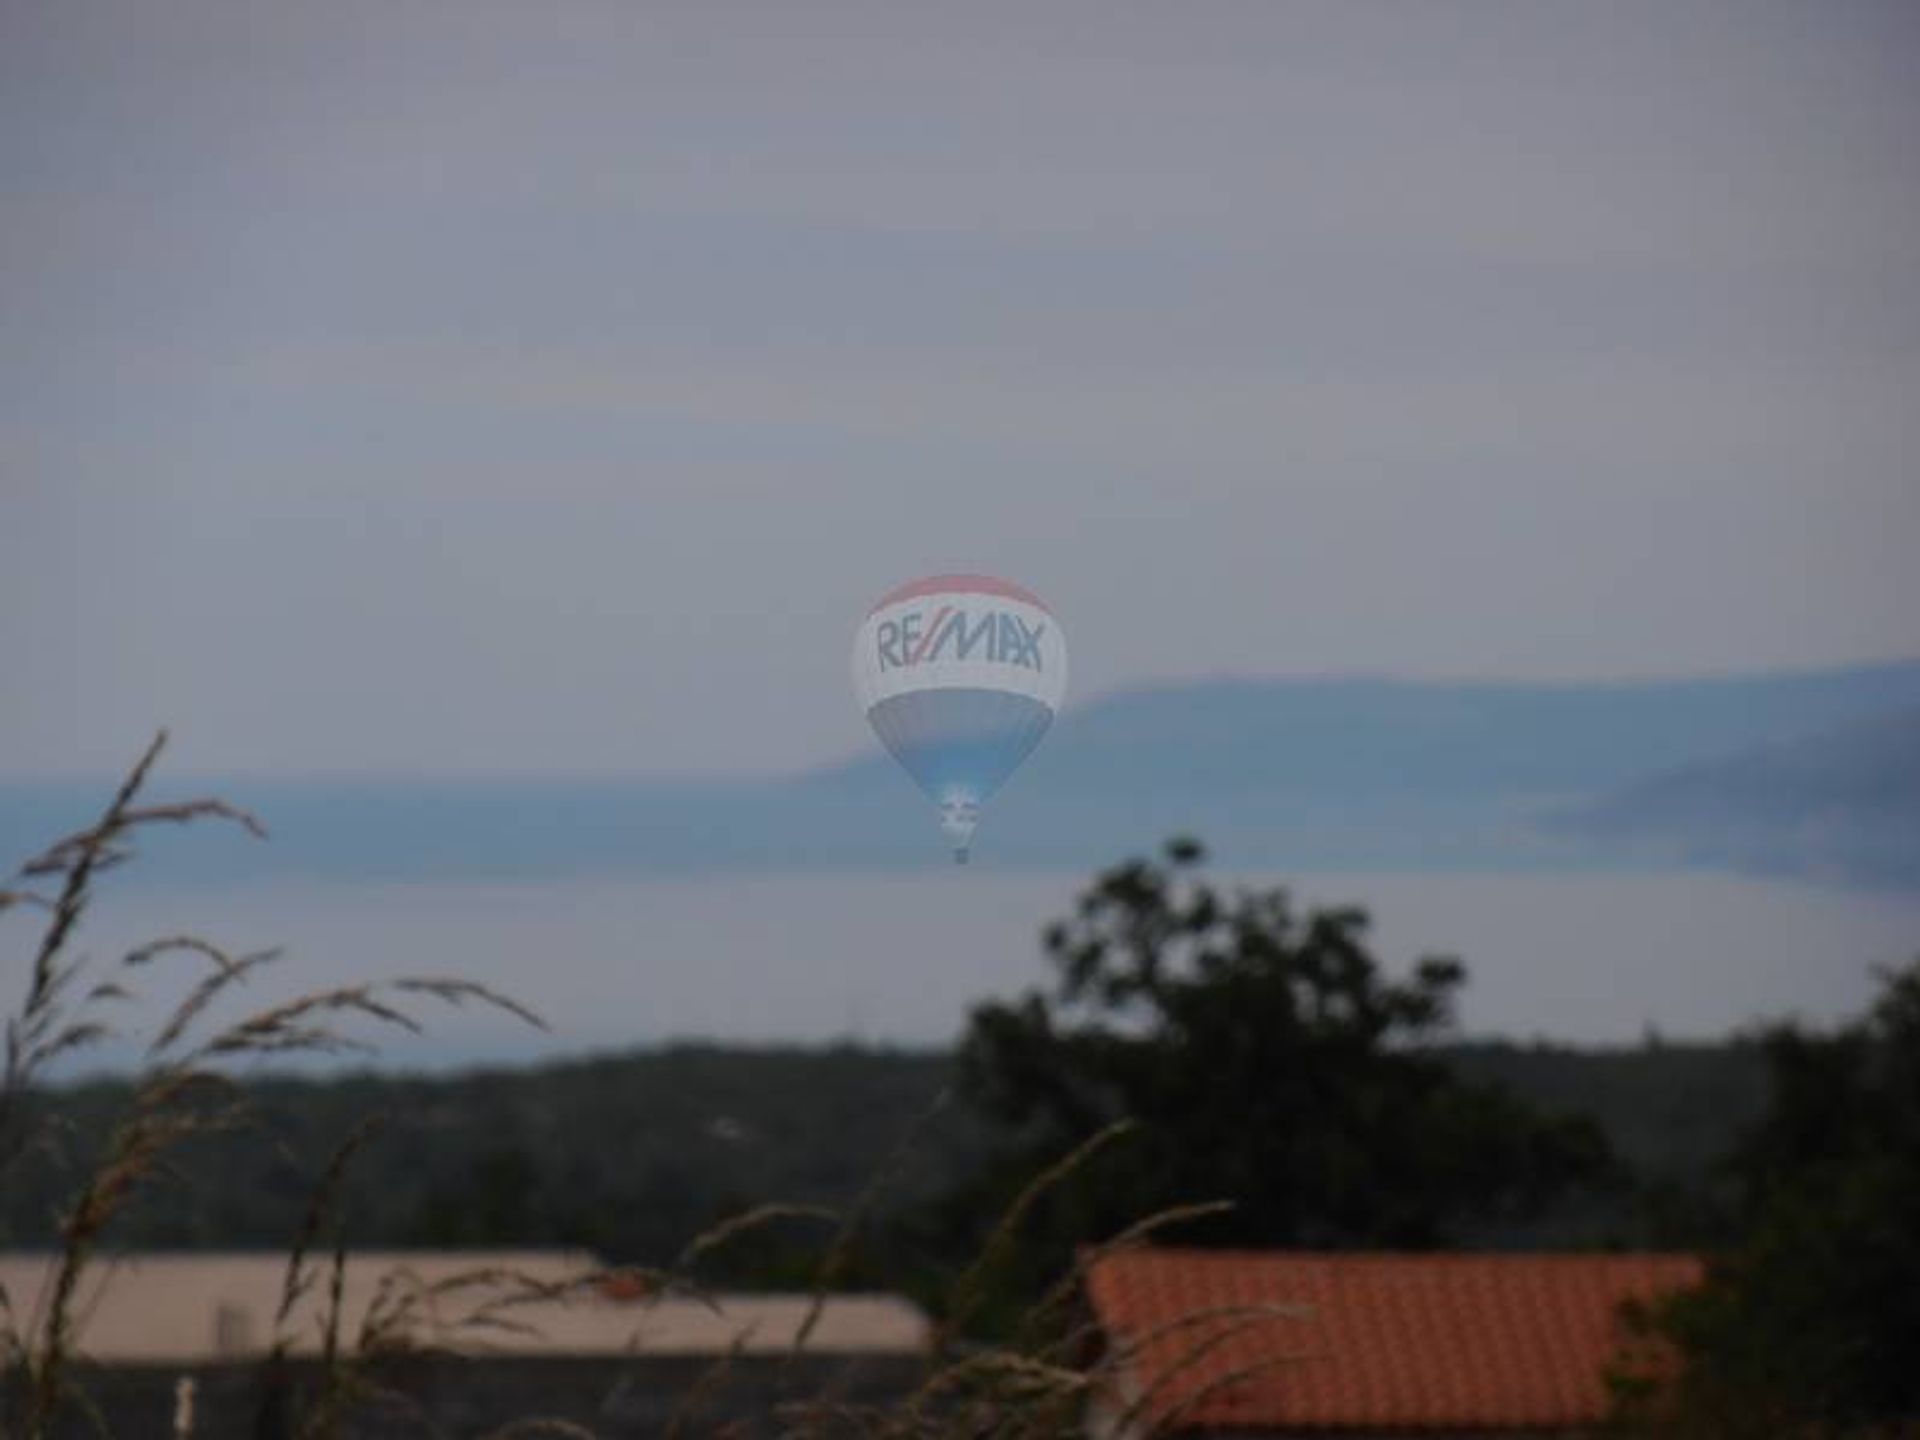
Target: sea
611, 962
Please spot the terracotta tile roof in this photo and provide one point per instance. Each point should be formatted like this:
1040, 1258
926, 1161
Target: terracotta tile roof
1386, 1341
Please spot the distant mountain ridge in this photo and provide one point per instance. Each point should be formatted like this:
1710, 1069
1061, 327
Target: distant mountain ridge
1327, 773
1844, 803
1364, 737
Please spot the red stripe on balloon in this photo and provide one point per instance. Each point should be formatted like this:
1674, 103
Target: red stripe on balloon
960, 585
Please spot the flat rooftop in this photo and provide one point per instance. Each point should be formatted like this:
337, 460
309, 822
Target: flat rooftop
196, 1308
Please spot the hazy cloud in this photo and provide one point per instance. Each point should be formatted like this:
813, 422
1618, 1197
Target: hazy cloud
387, 386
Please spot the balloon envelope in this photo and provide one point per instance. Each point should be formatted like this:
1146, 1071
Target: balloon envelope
960, 676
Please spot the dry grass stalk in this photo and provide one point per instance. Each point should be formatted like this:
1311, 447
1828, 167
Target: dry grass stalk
183, 1093
1219, 1325
321, 1205
967, 1290
1049, 1311
728, 1230
710, 1383
839, 1253
1031, 1387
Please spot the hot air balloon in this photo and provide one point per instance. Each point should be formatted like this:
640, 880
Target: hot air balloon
960, 676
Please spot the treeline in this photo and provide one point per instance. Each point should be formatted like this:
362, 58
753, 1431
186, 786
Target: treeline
633, 1155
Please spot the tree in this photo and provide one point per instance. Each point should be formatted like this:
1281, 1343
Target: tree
1806, 1324
1268, 1061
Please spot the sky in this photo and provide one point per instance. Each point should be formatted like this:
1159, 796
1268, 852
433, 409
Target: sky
394, 386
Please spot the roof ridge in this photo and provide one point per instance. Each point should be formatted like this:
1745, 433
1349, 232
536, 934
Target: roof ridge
1195, 1252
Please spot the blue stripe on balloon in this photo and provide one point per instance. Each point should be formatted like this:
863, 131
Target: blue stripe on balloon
960, 740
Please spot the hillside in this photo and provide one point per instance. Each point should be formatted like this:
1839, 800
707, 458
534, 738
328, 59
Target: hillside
1842, 803
1295, 773
635, 1154
1365, 739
